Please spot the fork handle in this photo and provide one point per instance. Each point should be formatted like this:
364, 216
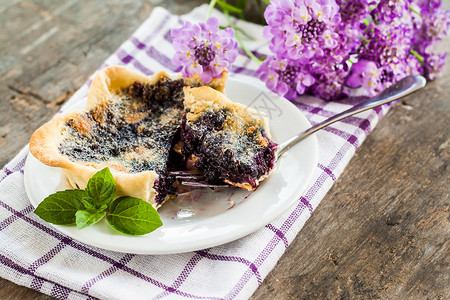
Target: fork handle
400, 89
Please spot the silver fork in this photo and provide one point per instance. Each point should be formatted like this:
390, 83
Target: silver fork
398, 90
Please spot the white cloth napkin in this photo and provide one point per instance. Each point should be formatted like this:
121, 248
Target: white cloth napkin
34, 254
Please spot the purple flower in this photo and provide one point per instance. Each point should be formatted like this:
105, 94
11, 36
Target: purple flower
301, 28
433, 65
204, 49
325, 47
387, 46
307, 36
366, 74
430, 28
285, 77
353, 12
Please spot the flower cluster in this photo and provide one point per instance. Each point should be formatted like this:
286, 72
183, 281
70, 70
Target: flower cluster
204, 49
326, 47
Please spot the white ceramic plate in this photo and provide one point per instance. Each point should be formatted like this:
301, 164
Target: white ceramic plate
206, 218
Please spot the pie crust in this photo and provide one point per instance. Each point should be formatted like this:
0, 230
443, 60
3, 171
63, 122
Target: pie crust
107, 85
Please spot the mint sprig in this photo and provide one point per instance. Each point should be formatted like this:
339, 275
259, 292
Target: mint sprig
133, 216
128, 215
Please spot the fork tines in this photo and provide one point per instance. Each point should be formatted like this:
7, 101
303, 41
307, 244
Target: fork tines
203, 184
194, 179
193, 172
187, 175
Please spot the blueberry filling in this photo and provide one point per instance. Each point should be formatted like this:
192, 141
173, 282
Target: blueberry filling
225, 155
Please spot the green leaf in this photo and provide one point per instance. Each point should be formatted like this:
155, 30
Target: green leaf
229, 8
92, 205
86, 218
101, 187
241, 4
60, 208
89, 203
133, 216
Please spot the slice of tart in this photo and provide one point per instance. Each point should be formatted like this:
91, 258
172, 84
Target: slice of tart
130, 125
228, 141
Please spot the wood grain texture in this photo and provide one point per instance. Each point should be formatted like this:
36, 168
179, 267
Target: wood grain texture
382, 232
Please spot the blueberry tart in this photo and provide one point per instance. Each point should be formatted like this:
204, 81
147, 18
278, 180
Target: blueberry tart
130, 124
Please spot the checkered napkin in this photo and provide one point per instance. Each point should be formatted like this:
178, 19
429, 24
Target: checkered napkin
34, 254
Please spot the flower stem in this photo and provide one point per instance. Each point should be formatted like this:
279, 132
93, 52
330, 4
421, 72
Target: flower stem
239, 40
417, 55
210, 8
414, 11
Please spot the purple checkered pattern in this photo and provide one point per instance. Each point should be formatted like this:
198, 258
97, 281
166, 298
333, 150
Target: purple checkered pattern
34, 254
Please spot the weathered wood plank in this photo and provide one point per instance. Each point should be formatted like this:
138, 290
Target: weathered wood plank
49, 48
381, 232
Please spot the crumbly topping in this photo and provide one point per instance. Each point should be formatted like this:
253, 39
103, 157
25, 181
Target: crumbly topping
135, 130
227, 139
238, 127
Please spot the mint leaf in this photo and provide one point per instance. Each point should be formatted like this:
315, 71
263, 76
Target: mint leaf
60, 208
88, 203
86, 218
101, 187
133, 216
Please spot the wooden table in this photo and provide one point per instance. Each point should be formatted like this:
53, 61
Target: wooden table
381, 232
